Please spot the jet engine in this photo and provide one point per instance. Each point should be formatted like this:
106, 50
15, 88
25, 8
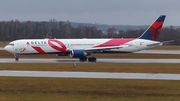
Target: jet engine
78, 53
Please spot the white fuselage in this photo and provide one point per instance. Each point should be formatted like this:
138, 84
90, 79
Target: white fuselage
50, 46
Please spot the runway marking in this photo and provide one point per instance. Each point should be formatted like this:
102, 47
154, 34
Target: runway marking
102, 75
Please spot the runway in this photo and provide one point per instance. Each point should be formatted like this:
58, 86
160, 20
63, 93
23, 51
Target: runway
1, 48
159, 51
47, 60
104, 75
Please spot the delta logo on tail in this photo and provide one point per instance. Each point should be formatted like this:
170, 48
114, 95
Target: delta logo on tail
152, 33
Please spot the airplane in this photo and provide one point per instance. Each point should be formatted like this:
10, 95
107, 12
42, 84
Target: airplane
86, 48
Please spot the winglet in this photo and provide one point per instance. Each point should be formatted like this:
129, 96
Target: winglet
152, 33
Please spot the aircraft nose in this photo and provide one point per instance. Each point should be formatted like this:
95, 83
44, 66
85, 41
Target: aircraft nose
7, 48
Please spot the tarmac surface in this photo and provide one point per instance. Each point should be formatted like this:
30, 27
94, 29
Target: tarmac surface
47, 60
159, 51
104, 75
1, 48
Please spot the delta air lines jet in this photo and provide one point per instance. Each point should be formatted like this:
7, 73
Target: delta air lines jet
83, 48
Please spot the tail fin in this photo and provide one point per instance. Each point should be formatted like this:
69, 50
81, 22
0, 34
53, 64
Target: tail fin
153, 31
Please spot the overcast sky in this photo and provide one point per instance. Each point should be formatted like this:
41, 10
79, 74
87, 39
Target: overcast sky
111, 12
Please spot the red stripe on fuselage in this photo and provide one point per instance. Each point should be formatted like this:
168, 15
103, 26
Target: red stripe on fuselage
38, 49
23, 50
63, 49
114, 42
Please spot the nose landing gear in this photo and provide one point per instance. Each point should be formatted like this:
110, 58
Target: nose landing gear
16, 57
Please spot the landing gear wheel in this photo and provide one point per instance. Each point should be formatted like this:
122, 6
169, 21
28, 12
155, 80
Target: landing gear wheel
83, 59
16, 57
92, 59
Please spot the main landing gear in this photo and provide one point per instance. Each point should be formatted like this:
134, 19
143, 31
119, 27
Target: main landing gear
83, 59
90, 59
16, 57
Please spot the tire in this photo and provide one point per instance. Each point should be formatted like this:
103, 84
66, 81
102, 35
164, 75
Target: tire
83, 59
92, 59
16, 58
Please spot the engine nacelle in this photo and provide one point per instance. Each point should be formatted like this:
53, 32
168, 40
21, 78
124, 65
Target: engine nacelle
62, 54
78, 53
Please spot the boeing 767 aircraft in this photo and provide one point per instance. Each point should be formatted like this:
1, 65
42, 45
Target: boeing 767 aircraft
83, 48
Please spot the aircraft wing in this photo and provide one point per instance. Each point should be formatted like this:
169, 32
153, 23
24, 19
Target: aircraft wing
105, 48
94, 49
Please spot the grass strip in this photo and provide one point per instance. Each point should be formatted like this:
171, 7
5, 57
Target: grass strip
68, 89
96, 67
3, 44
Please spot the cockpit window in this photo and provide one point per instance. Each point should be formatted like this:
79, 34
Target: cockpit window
11, 44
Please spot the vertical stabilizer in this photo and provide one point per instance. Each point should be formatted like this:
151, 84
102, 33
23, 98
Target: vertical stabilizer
152, 33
